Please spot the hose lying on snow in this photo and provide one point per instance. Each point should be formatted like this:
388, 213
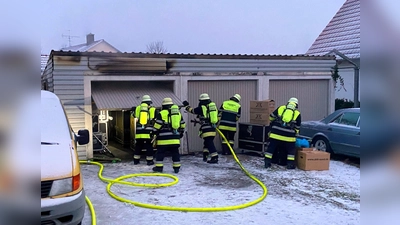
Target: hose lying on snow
175, 179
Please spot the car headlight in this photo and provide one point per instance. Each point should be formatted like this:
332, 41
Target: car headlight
61, 186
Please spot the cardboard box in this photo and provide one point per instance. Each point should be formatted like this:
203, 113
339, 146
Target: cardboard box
313, 160
265, 106
261, 118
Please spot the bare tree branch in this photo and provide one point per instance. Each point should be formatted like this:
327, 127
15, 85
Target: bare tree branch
157, 47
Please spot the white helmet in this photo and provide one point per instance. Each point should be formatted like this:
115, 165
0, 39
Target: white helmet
204, 96
237, 96
146, 98
167, 101
294, 100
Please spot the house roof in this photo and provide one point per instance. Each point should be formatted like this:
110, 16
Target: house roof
342, 32
83, 47
190, 56
44, 59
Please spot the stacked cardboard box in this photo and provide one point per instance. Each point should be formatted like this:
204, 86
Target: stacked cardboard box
312, 159
260, 110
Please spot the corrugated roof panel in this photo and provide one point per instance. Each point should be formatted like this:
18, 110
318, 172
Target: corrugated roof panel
123, 95
342, 32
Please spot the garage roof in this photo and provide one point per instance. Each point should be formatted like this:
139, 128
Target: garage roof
125, 95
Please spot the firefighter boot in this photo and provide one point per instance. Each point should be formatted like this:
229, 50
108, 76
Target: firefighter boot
213, 160
267, 163
176, 169
205, 156
150, 162
136, 161
290, 166
158, 169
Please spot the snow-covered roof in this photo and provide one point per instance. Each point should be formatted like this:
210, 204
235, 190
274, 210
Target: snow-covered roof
82, 47
342, 32
44, 59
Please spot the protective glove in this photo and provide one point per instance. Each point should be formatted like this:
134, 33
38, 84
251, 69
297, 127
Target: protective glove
185, 103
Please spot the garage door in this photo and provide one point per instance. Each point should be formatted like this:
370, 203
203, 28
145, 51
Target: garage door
219, 91
313, 96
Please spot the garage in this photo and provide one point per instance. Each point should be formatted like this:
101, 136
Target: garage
313, 96
219, 91
114, 99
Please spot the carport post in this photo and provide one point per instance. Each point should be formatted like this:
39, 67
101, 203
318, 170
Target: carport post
356, 75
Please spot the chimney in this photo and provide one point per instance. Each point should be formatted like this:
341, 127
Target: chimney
89, 38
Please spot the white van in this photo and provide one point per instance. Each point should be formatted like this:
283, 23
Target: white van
63, 197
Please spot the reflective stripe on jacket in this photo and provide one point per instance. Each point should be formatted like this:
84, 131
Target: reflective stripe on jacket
229, 114
144, 133
165, 134
284, 133
206, 130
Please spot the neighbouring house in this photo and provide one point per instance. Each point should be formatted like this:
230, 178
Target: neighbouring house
89, 46
44, 59
96, 85
92, 46
343, 34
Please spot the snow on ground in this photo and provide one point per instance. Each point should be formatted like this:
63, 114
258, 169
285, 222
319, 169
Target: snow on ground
294, 197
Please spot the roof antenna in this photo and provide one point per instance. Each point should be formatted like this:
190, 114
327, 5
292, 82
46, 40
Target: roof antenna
69, 36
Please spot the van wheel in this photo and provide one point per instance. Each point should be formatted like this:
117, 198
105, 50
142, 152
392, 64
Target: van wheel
321, 144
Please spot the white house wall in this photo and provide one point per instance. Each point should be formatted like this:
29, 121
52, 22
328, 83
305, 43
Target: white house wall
348, 91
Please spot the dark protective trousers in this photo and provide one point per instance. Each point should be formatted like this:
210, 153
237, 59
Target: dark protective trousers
283, 146
230, 136
161, 150
209, 147
143, 144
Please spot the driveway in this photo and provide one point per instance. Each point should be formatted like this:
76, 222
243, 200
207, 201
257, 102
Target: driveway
294, 196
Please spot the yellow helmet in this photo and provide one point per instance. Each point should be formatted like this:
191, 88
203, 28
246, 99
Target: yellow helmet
204, 96
146, 98
237, 96
167, 101
294, 100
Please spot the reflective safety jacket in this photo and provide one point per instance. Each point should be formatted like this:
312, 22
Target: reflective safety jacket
206, 130
229, 114
144, 133
281, 131
164, 131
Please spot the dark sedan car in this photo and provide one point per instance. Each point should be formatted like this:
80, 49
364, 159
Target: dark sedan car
337, 133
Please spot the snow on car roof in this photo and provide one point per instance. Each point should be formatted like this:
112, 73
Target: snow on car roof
54, 125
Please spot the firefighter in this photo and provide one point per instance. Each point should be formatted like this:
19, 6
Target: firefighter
145, 114
207, 112
285, 127
229, 114
169, 128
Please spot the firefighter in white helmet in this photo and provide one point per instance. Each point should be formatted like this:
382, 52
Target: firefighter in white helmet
145, 114
207, 112
285, 127
229, 114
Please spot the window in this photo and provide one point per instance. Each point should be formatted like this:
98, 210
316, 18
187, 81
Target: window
348, 118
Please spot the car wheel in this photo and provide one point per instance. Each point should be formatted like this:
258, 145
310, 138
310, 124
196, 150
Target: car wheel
321, 144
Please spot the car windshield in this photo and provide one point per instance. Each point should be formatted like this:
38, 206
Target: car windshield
347, 118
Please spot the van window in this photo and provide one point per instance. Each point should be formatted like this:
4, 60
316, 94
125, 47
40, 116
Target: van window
348, 118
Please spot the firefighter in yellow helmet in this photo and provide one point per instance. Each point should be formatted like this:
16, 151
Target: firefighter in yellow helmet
145, 114
169, 128
207, 112
285, 127
229, 114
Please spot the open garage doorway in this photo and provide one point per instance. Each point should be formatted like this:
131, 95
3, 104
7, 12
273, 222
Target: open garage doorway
113, 102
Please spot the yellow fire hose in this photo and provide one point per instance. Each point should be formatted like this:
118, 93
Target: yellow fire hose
175, 179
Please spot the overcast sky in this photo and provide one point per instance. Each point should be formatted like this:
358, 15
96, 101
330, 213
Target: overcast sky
206, 26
